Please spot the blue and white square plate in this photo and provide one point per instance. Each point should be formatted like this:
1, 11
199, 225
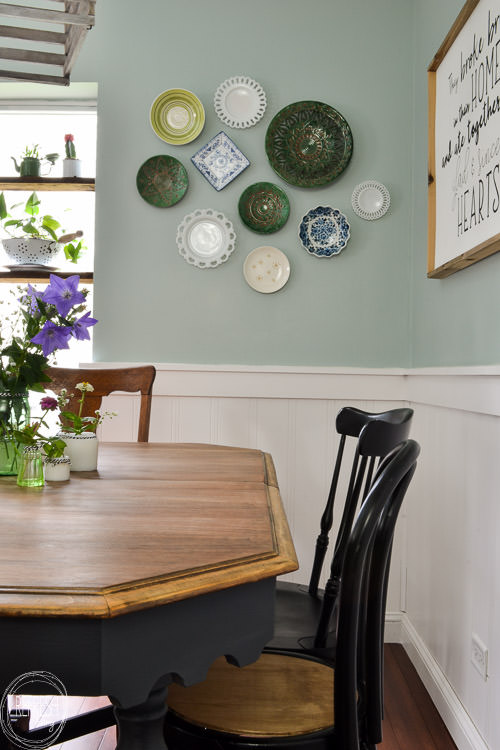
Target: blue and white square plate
220, 161
324, 231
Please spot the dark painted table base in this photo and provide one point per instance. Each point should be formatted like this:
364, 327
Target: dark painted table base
142, 726
134, 657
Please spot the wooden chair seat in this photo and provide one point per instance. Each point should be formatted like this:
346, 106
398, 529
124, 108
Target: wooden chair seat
279, 695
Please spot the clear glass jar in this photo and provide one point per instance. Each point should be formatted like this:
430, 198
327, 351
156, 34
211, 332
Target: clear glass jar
30, 473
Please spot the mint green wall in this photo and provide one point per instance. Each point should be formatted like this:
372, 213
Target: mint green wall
455, 320
351, 310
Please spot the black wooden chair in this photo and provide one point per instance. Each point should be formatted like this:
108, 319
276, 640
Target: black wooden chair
295, 700
304, 618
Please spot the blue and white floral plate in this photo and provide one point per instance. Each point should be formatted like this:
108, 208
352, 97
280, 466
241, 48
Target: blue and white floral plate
220, 161
324, 231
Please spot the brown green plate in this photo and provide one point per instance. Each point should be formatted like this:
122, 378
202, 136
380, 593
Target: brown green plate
308, 144
162, 181
264, 207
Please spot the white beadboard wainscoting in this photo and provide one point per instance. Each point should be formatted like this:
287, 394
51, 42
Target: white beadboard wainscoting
445, 575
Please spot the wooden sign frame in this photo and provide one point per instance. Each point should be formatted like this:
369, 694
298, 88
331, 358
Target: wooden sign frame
461, 154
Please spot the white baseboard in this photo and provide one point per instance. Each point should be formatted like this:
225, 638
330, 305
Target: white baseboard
457, 720
393, 627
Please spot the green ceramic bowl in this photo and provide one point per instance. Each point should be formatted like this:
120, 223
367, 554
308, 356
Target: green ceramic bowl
264, 207
308, 144
162, 181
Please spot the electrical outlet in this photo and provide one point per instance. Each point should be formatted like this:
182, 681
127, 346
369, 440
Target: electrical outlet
479, 656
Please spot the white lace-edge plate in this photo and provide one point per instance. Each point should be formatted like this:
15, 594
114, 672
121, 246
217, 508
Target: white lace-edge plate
240, 102
266, 269
370, 200
206, 238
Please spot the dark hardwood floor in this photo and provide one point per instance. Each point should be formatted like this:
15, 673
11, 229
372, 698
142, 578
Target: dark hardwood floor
411, 721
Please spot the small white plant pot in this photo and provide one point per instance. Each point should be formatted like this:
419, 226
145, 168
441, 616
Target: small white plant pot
81, 449
57, 469
72, 168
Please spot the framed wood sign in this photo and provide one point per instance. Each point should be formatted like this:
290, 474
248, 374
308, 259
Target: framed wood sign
464, 142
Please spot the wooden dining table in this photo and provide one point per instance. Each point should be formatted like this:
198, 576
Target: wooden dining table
141, 573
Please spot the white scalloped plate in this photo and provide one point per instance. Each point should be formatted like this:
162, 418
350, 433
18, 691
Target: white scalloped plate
206, 238
370, 200
240, 102
266, 269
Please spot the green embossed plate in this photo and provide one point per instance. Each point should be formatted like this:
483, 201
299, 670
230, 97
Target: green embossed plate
162, 181
308, 144
264, 207
177, 116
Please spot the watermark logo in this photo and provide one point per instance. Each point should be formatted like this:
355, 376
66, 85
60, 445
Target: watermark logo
37, 685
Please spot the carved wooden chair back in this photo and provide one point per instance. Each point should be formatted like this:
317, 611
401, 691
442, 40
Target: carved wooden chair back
105, 381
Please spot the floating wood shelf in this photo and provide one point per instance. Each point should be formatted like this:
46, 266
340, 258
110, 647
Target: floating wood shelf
30, 41
40, 276
47, 183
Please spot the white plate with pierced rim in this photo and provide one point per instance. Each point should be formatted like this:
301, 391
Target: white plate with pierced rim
266, 269
370, 200
240, 102
206, 238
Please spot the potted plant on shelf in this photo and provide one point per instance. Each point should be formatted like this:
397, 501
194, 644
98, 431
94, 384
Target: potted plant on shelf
71, 165
31, 162
33, 236
40, 323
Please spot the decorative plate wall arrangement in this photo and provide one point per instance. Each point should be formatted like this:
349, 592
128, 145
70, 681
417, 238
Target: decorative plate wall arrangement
220, 161
162, 181
266, 269
324, 231
177, 116
264, 207
206, 238
308, 144
240, 102
370, 200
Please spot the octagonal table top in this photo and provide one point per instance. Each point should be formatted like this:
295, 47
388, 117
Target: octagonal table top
157, 522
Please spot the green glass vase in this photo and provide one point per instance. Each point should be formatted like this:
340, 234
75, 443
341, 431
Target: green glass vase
14, 415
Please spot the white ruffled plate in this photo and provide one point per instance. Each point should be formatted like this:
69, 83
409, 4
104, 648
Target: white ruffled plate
370, 200
205, 238
266, 269
240, 102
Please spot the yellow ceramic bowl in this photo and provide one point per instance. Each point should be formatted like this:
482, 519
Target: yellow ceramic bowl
177, 116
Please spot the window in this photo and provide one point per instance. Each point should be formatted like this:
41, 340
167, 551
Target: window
27, 124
